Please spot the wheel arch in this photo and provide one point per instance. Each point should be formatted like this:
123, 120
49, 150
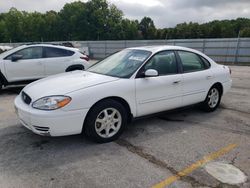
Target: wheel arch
3, 80
75, 67
115, 98
219, 86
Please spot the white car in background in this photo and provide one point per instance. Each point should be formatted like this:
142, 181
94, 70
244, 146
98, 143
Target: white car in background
4, 48
132, 83
27, 63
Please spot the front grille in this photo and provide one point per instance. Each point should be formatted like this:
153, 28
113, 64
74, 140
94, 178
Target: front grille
26, 98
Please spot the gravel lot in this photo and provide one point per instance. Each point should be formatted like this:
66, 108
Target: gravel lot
150, 151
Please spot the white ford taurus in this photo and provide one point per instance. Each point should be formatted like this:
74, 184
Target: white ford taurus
131, 83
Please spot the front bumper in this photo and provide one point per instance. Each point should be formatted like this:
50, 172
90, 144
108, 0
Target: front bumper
50, 123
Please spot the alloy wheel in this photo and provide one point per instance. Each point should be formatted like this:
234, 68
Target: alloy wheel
108, 122
213, 97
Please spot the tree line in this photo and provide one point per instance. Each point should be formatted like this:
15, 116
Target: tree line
100, 20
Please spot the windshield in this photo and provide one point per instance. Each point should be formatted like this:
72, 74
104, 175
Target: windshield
122, 64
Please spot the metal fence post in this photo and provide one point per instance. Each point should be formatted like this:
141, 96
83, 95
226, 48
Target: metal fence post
203, 45
105, 48
237, 51
89, 49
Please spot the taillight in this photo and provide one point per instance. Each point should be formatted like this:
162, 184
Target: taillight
85, 58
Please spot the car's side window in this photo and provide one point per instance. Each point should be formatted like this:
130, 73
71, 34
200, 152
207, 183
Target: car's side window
206, 63
190, 62
29, 53
164, 62
51, 52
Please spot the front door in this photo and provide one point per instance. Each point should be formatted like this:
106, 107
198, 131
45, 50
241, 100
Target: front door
29, 67
155, 94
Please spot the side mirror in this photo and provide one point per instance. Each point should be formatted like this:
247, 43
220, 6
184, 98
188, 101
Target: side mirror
151, 73
16, 57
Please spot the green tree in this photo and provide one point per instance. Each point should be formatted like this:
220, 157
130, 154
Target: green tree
245, 32
97, 16
112, 24
147, 28
129, 30
2, 31
13, 25
100, 20
51, 18
73, 21
33, 27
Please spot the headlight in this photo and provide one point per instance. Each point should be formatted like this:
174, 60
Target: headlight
51, 102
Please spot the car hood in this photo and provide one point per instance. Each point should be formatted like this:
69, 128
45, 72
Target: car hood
64, 83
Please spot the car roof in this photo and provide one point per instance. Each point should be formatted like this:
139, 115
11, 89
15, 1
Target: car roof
158, 48
13, 50
51, 45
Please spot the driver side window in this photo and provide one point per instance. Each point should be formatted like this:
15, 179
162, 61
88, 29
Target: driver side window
29, 53
163, 62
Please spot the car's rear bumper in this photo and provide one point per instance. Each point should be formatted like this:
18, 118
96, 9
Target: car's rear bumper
50, 123
227, 86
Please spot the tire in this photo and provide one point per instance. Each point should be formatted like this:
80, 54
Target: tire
1, 85
74, 68
106, 121
212, 100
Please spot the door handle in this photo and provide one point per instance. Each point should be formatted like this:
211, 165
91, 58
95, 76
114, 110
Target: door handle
176, 82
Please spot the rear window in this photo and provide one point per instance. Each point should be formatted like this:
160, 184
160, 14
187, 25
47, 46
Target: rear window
206, 63
50, 52
191, 62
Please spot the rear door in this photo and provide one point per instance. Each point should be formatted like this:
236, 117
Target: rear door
29, 67
155, 94
197, 77
57, 60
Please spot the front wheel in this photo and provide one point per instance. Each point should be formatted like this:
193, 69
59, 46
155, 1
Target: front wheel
106, 121
1, 85
212, 100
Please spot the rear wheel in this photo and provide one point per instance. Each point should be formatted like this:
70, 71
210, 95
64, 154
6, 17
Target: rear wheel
74, 68
212, 100
106, 121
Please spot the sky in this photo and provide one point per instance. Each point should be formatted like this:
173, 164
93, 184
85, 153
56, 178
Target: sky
165, 13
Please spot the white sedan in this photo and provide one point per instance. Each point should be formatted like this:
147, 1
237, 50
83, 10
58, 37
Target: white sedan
134, 82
